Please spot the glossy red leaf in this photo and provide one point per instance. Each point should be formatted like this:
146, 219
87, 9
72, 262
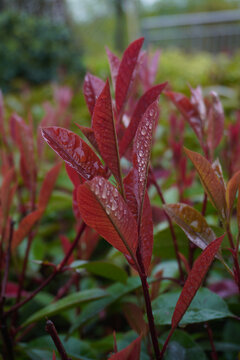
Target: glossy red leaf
66, 245
25, 227
212, 185
48, 185
218, 171
89, 133
131, 352
215, 122
92, 87
105, 133
103, 208
142, 149
146, 100
198, 101
145, 243
194, 280
231, 191
125, 72
192, 223
74, 151
189, 112
88, 243
74, 176
114, 63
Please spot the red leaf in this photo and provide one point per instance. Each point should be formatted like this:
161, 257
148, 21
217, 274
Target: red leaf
92, 87
148, 69
89, 133
25, 227
54, 356
125, 72
146, 234
146, 100
218, 171
215, 122
66, 245
142, 149
146, 230
74, 151
194, 280
231, 191
212, 185
131, 352
192, 223
103, 208
23, 137
75, 205
105, 133
63, 95
189, 112
198, 101
88, 243
7, 193
74, 176
114, 63
48, 185
12, 290
134, 316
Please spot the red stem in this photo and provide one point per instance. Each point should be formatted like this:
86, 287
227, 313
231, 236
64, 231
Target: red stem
147, 299
50, 328
210, 335
151, 323
7, 340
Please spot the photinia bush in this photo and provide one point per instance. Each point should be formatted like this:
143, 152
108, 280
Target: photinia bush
115, 183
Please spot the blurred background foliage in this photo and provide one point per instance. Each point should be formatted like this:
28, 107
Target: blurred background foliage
58, 40
46, 42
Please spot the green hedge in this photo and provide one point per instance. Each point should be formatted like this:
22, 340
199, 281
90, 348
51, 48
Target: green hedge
36, 50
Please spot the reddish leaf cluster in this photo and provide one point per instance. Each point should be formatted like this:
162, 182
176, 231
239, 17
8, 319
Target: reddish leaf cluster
22, 177
121, 214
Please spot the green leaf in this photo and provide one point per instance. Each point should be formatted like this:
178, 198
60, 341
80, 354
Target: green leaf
205, 306
182, 347
67, 302
102, 268
75, 348
114, 292
163, 245
231, 333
